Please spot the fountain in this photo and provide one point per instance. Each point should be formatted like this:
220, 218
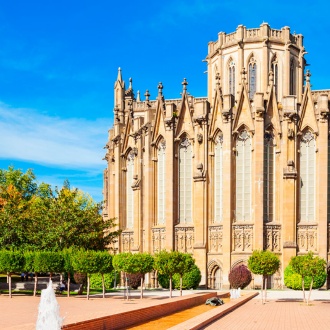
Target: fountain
49, 310
235, 293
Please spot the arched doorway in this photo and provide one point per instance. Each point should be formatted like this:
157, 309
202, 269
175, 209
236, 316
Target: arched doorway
214, 275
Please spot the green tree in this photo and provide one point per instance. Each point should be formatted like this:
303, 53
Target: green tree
85, 262
122, 262
169, 263
184, 263
68, 265
104, 262
10, 262
141, 263
309, 268
263, 263
74, 220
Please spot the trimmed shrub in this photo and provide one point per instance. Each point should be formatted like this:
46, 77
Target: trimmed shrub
240, 277
164, 281
96, 280
293, 280
190, 280
134, 280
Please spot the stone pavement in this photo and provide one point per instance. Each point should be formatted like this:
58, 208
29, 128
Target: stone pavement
283, 310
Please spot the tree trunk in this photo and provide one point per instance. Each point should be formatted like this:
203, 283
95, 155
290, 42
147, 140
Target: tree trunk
9, 282
126, 286
310, 291
303, 287
35, 283
68, 284
141, 296
180, 285
103, 286
262, 287
170, 286
88, 283
266, 288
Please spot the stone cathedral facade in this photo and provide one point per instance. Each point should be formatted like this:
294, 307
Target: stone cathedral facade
244, 168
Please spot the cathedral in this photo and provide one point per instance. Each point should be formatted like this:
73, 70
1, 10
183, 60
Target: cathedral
243, 168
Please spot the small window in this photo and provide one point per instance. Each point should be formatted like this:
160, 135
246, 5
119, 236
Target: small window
252, 78
232, 78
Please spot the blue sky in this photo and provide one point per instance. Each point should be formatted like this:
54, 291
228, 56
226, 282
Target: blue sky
59, 61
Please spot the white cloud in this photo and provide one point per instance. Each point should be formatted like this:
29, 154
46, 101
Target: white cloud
68, 143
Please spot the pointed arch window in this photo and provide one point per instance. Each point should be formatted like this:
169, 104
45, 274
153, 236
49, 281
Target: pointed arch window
232, 78
218, 180
252, 78
275, 72
185, 181
243, 176
269, 177
307, 177
161, 183
292, 78
129, 190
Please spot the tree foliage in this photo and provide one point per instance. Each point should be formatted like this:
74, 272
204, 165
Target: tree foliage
36, 217
11, 261
305, 271
263, 263
239, 277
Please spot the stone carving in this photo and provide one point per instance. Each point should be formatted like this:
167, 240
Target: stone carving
307, 238
242, 237
184, 239
272, 237
127, 241
215, 239
185, 143
158, 239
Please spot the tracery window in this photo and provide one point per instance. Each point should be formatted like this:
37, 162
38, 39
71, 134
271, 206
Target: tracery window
129, 190
252, 78
185, 181
307, 177
161, 183
218, 188
292, 78
232, 78
269, 176
243, 176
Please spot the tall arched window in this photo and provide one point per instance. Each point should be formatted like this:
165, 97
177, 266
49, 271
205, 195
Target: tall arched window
275, 72
129, 190
307, 177
218, 200
232, 78
161, 183
252, 78
292, 78
243, 176
269, 176
185, 181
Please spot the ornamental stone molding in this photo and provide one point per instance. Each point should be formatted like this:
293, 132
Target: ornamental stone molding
127, 241
215, 239
242, 238
184, 239
307, 238
158, 239
272, 237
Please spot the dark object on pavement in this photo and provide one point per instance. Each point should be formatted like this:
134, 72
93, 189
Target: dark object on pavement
214, 301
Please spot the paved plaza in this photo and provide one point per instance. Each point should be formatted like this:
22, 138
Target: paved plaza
283, 310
